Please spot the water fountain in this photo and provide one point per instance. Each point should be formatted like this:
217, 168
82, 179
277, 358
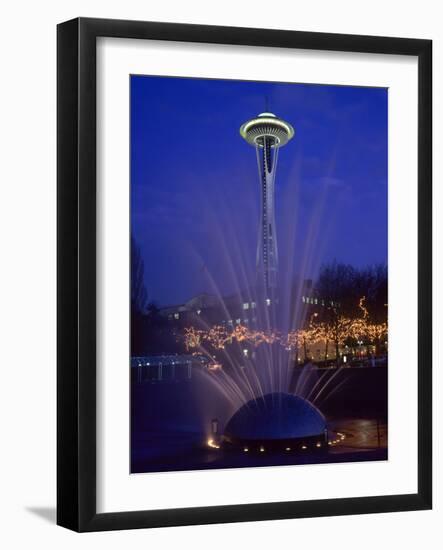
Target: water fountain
278, 421
257, 352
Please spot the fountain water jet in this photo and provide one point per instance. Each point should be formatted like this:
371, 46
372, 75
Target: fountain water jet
266, 369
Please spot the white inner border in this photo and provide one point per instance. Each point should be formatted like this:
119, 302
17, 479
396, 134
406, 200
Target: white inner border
116, 489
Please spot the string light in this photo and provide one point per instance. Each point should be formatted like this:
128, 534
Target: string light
339, 331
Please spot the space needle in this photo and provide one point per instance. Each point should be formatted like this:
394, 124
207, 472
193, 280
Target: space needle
267, 133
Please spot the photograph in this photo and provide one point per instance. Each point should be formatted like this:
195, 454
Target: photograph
259, 273
221, 268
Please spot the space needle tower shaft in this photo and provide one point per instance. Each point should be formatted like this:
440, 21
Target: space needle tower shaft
267, 133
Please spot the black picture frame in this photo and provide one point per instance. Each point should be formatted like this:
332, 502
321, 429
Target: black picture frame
76, 266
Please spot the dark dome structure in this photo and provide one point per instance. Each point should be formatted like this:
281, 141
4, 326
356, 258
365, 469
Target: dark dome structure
277, 420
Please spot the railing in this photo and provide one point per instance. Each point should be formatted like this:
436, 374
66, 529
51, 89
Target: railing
159, 368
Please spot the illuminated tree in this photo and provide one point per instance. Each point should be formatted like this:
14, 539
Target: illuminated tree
335, 328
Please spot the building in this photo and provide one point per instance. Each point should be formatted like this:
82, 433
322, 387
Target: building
206, 309
267, 133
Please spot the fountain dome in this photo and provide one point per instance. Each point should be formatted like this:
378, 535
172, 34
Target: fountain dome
274, 418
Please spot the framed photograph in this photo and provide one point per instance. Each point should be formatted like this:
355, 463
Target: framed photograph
244, 274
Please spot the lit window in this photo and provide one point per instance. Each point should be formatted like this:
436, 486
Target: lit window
238, 321
303, 299
176, 315
199, 311
253, 305
246, 305
268, 301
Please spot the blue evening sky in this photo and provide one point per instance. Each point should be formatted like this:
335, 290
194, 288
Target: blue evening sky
195, 187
